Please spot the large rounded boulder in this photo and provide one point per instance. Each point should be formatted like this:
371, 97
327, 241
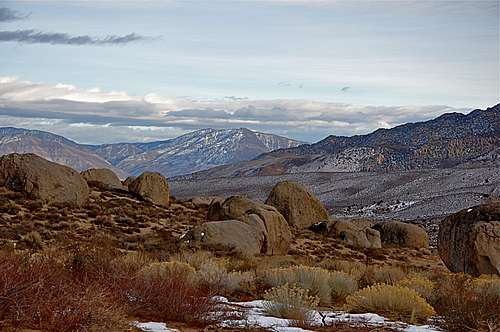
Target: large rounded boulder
355, 235
39, 178
233, 234
469, 240
300, 208
102, 178
262, 217
402, 234
152, 187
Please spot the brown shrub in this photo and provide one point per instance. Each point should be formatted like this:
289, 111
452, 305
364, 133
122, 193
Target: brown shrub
467, 304
37, 292
172, 298
9, 207
33, 240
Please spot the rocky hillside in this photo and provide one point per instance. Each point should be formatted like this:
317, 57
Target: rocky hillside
192, 152
188, 153
52, 147
450, 140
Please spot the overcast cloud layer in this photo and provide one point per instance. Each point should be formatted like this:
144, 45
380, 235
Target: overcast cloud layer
300, 68
95, 116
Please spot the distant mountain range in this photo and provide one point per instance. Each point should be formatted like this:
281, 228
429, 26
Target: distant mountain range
192, 152
185, 154
451, 140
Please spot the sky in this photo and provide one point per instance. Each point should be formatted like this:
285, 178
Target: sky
115, 71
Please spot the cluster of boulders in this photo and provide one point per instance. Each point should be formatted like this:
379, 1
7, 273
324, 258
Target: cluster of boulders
251, 228
469, 241
38, 178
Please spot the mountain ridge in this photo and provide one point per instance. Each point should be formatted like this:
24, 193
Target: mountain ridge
445, 141
188, 153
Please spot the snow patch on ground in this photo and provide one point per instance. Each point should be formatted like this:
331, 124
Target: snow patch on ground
153, 327
251, 314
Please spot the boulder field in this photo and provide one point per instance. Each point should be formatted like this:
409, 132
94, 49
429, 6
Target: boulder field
469, 240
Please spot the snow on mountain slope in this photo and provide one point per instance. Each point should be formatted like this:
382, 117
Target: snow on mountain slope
196, 151
185, 154
450, 140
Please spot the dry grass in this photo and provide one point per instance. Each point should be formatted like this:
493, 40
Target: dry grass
315, 279
341, 285
290, 302
381, 274
391, 301
424, 287
214, 277
168, 270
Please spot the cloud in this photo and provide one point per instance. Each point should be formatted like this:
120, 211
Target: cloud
32, 36
8, 15
96, 116
38, 37
345, 89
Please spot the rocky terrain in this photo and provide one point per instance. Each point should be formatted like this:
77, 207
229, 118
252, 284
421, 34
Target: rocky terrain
130, 256
403, 195
420, 196
447, 141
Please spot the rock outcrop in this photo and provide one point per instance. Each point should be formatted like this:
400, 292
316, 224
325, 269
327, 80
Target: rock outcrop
129, 180
102, 178
469, 240
358, 236
38, 178
152, 187
300, 208
402, 234
260, 216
